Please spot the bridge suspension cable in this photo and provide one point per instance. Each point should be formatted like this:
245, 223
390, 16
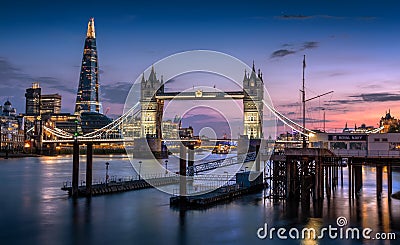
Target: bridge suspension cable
97, 133
293, 125
59, 133
63, 135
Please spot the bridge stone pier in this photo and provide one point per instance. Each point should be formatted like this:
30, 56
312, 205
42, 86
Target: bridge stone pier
75, 168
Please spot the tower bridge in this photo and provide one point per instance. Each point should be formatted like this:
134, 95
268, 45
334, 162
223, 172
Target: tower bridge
150, 108
152, 103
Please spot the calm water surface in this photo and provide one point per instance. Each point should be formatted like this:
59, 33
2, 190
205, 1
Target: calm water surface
33, 210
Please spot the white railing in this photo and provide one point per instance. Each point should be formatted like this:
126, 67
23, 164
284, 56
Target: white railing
350, 153
367, 153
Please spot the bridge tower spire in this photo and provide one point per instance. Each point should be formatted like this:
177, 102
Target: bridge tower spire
151, 108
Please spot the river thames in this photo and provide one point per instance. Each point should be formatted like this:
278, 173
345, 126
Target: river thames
34, 210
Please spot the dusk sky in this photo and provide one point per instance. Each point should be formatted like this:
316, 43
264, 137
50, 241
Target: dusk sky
351, 47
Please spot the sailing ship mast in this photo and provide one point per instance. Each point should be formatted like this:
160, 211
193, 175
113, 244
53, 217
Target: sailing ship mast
304, 100
303, 91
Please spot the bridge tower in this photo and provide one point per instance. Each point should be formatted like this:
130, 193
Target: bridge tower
253, 87
151, 114
151, 108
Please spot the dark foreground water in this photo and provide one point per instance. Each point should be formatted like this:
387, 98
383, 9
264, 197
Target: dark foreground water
33, 210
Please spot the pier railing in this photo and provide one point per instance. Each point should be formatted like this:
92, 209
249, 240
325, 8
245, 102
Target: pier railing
214, 179
120, 179
221, 163
206, 188
368, 153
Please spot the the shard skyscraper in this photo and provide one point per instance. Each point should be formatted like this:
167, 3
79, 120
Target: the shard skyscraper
87, 99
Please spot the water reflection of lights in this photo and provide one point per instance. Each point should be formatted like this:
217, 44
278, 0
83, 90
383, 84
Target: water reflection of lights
315, 224
374, 213
54, 160
47, 206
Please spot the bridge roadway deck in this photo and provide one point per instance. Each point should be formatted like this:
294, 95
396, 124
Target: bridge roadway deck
200, 95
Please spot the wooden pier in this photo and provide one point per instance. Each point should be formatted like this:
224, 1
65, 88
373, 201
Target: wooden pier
302, 174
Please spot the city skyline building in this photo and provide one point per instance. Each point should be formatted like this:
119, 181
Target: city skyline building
50, 103
32, 99
37, 103
7, 109
87, 99
11, 128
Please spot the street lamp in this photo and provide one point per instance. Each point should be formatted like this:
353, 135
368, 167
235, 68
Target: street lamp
107, 164
227, 178
6, 157
166, 167
140, 168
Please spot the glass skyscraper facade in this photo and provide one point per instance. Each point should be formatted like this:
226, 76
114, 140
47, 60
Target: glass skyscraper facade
32, 95
87, 99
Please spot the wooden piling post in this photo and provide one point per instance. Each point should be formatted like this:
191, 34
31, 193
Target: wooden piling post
316, 193
191, 156
336, 175
379, 182
289, 187
358, 179
390, 180
350, 180
258, 158
330, 179
353, 183
305, 183
322, 180
75, 169
327, 185
341, 175
182, 171
89, 168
